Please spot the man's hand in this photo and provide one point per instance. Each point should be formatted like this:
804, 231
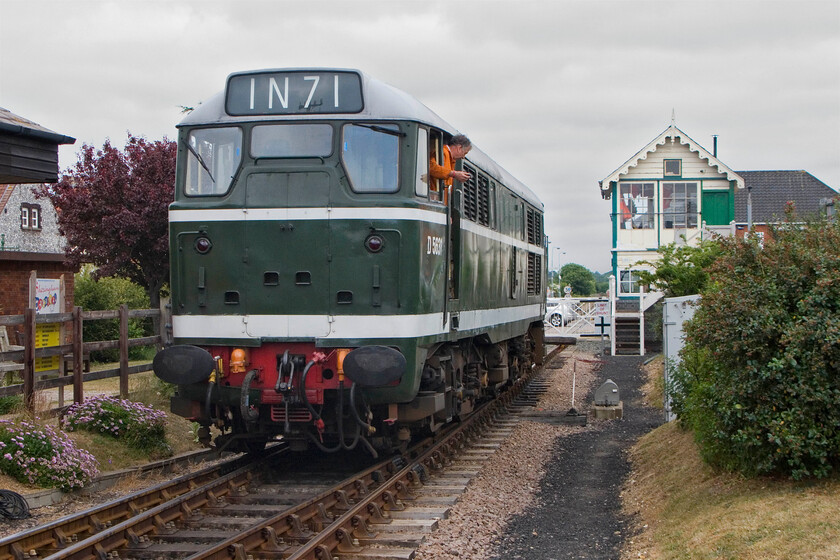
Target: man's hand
462, 176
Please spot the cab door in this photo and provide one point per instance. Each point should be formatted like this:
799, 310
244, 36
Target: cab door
368, 248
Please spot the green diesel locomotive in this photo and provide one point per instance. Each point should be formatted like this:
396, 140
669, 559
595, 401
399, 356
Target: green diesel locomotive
324, 287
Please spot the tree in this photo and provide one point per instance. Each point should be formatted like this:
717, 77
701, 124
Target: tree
579, 278
111, 293
113, 209
682, 270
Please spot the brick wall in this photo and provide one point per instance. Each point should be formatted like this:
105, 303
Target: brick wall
14, 286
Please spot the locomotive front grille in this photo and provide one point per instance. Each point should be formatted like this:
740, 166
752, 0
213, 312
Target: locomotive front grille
278, 414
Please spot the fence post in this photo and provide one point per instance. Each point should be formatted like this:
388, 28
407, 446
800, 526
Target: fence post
29, 359
123, 351
78, 357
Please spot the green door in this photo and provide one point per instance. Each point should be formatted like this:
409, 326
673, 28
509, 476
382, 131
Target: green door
716, 209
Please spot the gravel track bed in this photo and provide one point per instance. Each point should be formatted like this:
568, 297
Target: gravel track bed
509, 484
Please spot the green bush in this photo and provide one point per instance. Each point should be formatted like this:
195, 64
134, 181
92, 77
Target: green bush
759, 380
681, 270
137, 425
109, 294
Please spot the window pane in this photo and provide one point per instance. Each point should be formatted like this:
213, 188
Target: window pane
636, 205
213, 159
24, 217
35, 219
628, 282
679, 205
673, 167
371, 157
421, 185
291, 140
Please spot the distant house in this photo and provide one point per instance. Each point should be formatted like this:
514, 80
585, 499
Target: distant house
30, 245
767, 193
671, 191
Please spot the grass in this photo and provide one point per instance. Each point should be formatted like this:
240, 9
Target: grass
687, 510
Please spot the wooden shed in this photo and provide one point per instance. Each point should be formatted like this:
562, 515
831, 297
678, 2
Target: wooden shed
28, 151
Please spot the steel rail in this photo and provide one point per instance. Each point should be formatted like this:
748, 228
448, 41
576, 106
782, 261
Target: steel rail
57, 534
341, 514
286, 535
158, 517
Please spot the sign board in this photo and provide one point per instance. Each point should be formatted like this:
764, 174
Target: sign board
567, 290
47, 335
47, 295
294, 92
47, 299
601, 309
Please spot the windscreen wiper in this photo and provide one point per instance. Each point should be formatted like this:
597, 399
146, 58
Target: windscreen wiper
377, 128
200, 160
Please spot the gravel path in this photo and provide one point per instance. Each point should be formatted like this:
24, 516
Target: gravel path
553, 492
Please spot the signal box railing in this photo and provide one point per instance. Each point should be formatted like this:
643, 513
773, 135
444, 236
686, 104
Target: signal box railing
22, 358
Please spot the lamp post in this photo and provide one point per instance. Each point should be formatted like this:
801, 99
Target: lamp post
557, 260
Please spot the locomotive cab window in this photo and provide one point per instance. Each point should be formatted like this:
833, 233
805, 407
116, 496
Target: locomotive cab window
435, 151
291, 140
371, 157
421, 184
213, 159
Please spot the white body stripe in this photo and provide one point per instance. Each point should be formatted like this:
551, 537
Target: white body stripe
366, 213
342, 326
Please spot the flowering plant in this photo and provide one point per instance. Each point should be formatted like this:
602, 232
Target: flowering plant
44, 456
138, 425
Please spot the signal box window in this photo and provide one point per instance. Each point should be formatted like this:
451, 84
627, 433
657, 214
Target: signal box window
214, 156
371, 157
628, 282
679, 205
673, 168
636, 205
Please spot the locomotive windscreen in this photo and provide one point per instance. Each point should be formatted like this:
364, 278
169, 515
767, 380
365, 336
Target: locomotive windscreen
292, 93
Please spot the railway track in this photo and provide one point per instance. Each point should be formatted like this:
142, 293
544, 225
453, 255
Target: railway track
269, 508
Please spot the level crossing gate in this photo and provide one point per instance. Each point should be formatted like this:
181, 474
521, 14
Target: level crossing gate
586, 317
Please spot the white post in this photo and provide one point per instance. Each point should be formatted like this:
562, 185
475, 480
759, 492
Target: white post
642, 321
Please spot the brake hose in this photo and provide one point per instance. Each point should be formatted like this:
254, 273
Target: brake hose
248, 414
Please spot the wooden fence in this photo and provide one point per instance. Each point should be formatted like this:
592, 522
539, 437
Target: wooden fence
23, 357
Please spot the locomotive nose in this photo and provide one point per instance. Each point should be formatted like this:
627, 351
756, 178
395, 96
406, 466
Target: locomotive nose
183, 364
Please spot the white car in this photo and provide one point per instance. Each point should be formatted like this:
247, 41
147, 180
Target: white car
559, 311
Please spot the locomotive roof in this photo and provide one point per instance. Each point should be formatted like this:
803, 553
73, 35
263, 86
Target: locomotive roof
381, 102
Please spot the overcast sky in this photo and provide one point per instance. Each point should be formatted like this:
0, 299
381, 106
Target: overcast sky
560, 93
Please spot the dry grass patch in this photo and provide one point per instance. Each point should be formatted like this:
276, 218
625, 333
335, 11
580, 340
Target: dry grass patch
687, 510
654, 386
